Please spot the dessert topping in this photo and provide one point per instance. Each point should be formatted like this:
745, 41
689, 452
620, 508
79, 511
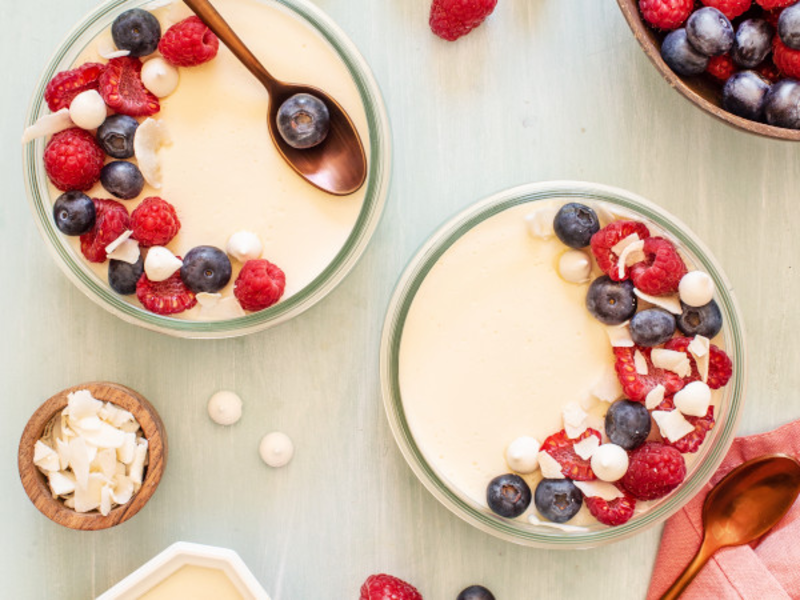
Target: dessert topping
165, 297
604, 241
700, 348
160, 263
654, 397
540, 222
121, 87
611, 512
574, 419
150, 137
640, 362
696, 288
154, 222
586, 447
694, 399
668, 303
73, 160
599, 489
620, 336
244, 246
88, 110
522, 455
160, 77
610, 462
259, 285
111, 221
48, 124
61, 90
655, 470
608, 388
562, 448
661, 271
127, 252
188, 43
575, 266
550, 467
672, 424
671, 360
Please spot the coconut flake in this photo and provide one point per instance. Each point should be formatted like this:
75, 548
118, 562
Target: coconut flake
668, 303
45, 457
48, 124
149, 138
60, 483
574, 419
81, 404
623, 244
608, 388
654, 397
700, 348
540, 222
88, 498
137, 466
640, 362
599, 489
586, 447
671, 360
128, 251
620, 336
226, 308
118, 242
632, 254
534, 520
672, 424
107, 49
549, 466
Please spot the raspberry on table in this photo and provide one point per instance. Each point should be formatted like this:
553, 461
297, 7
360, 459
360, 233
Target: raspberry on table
111, 221
661, 271
562, 449
260, 284
188, 43
121, 87
64, 86
388, 587
635, 385
611, 512
73, 160
729, 8
608, 237
655, 469
154, 222
166, 297
666, 14
451, 19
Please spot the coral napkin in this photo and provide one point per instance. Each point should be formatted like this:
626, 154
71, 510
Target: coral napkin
770, 571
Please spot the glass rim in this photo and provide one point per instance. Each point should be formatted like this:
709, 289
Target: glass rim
377, 185
709, 458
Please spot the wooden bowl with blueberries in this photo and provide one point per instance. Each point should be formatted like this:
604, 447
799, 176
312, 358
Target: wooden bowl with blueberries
741, 67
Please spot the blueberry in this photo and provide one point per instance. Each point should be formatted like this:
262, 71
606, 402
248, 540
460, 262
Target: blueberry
122, 179
136, 30
122, 276
115, 135
627, 424
575, 224
74, 213
709, 31
680, 55
789, 26
303, 121
206, 269
782, 104
475, 592
611, 302
703, 320
508, 495
652, 327
752, 43
744, 93
557, 500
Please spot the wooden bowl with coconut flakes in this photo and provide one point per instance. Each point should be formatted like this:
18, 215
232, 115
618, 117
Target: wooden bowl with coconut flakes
117, 404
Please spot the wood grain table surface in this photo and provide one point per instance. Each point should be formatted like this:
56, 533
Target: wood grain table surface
546, 89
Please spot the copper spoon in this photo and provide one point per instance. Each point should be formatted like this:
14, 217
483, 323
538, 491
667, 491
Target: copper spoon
743, 506
338, 165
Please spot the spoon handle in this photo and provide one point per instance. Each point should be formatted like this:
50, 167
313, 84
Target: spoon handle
705, 552
209, 15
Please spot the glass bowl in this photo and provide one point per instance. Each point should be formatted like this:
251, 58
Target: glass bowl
730, 401
376, 186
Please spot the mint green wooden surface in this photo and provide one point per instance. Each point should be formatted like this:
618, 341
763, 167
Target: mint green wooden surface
546, 89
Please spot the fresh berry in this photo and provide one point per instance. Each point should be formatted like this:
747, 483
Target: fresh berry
388, 587
773, 16
475, 592
611, 302
789, 26
189, 43
772, 4
206, 269
122, 88
654, 470
73, 160
786, 59
123, 276
752, 43
303, 121
260, 284
743, 94
115, 135
627, 424
137, 31
702, 425
666, 14
450, 19
123, 179
575, 224
165, 297
652, 327
609, 236
720, 366
63, 88
709, 31
681, 56
782, 104
154, 222
768, 71
635, 385
700, 320
661, 271
721, 67
562, 448
730, 8
508, 495
74, 213
611, 512
557, 500
111, 221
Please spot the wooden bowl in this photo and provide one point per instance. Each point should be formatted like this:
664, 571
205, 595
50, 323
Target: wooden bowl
35, 482
700, 89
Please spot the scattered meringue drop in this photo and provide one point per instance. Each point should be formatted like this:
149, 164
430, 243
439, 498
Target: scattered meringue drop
225, 407
276, 449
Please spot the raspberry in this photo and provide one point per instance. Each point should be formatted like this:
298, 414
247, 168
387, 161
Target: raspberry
154, 222
786, 59
772, 16
111, 220
73, 160
64, 86
655, 469
607, 238
729, 8
611, 512
666, 14
260, 284
450, 19
189, 43
720, 366
637, 386
165, 297
562, 448
770, 4
661, 271
123, 91
388, 587
768, 71
702, 425
721, 67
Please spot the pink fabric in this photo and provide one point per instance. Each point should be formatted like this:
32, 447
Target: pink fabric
770, 571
